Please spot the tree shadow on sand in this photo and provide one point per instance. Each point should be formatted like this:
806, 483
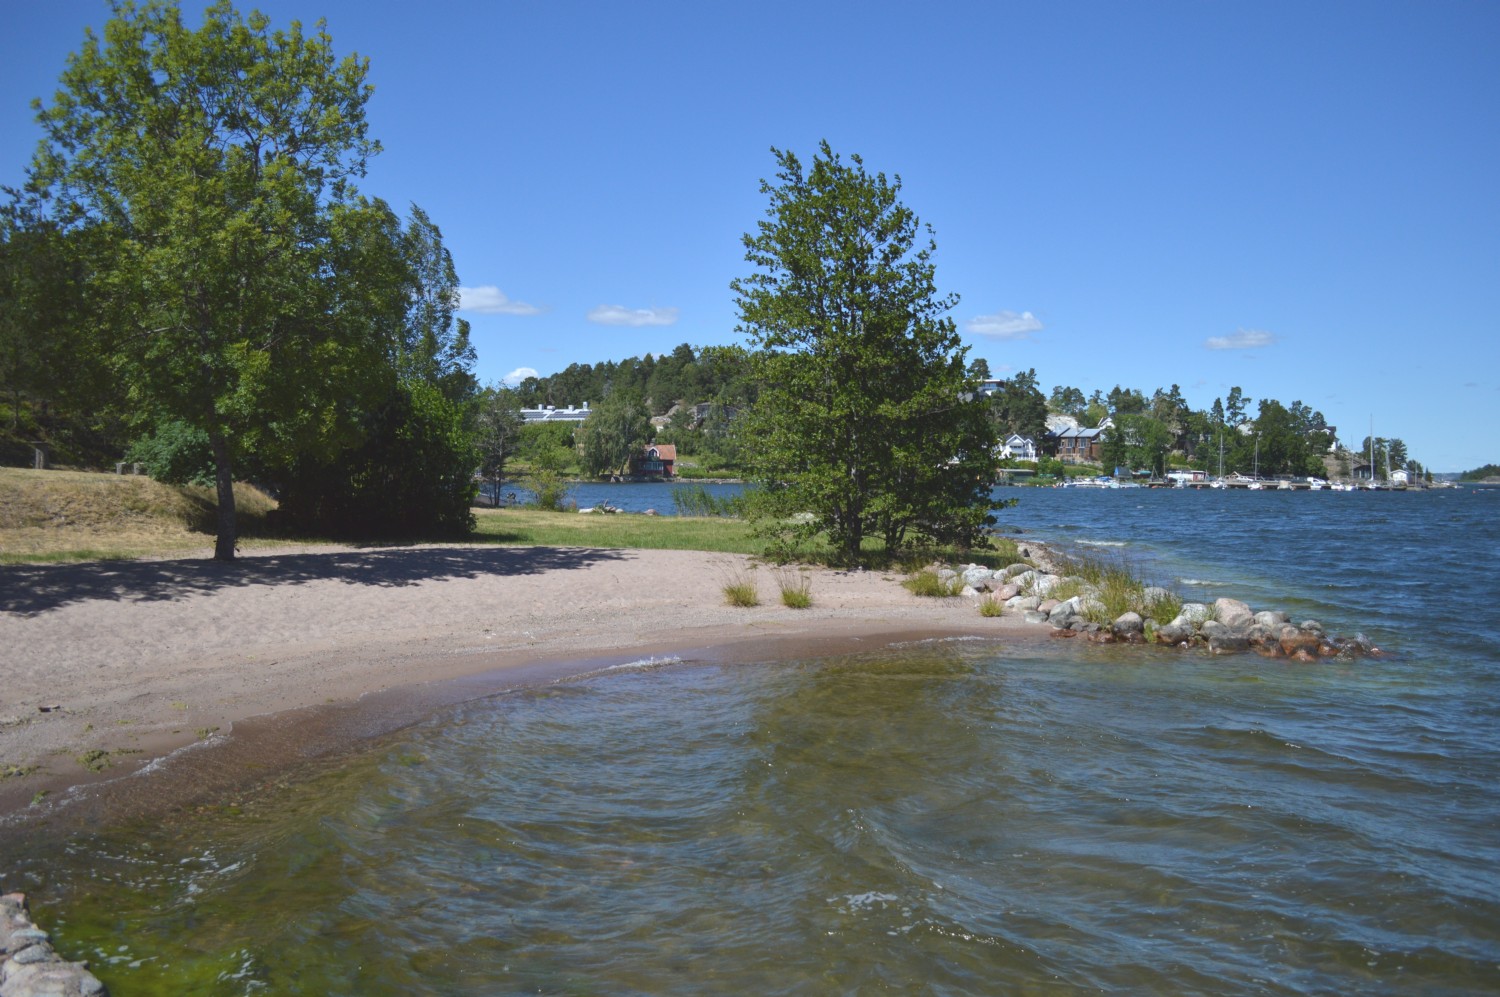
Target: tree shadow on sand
31, 589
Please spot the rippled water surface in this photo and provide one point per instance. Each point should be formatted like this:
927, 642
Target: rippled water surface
955, 817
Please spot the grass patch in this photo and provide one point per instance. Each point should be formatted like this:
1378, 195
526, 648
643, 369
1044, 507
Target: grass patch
539, 527
16, 771
1117, 589
796, 588
927, 583
67, 516
95, 759
989, 606
740, 588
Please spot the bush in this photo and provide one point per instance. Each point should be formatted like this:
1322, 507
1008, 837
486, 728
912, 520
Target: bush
796, 588
175, 454
412, 476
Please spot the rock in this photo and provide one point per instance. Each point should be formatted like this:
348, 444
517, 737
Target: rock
1270, 618
1258, 633
1154, 593
1193, 613
1312, 625
945, 575
1233, 614
1173, 633
1301, 644
968, 590
1087, 604
1007, 591
1129, 623
1229, 643
978, 576
1023, 603
1045, 583
1010, 571
1032, 616
1063, 610
1047, 605
1089, 628
650, 512
1213, 628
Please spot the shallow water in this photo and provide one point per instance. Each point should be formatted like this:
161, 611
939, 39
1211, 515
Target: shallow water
953, 817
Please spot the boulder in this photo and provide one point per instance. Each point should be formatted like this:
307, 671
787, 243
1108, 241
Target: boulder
1259, 633
1213, 628
1154, 593
1173, 633
1193, 613
1032, 616
947, 575
1007, 591
1233, 614
1229, 643
978, 577
1129, 623
1312, 625
1047, 605
1023, 603
1010, 571
1045, 583
1300, 644
1271, 618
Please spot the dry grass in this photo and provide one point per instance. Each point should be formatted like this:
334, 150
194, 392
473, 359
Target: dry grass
83, 516
740, 588
927, 583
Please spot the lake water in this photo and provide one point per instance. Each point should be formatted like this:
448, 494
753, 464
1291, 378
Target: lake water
959, 817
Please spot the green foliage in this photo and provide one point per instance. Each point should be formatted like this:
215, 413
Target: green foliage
615, 427
1481, 473
545, 478
213, 169
927, 583
412, 476
1019, 407
497, 431
861, 418
1136, 442
175, 453
989, 606
695, 500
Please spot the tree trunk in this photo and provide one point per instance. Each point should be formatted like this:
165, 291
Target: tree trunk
224, 476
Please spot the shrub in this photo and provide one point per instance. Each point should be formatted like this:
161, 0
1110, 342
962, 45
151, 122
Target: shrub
175, 454
990, 606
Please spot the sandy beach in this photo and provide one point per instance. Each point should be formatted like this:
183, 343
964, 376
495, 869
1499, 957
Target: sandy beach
135, 659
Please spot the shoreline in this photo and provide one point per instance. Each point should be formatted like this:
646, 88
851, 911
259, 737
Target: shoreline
288, 655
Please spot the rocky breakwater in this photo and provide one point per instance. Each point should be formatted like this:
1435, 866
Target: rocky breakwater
31, 968
1116, 609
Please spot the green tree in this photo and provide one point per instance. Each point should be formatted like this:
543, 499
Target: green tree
215, 163
1066, 400
867, 417
1136, 441
497, 432
1018, 406
615, 427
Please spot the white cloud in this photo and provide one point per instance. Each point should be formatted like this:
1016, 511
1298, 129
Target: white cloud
1241, 339
490, 300
518, 375
1004, 325
620, 315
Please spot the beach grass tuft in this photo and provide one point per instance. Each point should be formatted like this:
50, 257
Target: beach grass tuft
989, 606
795, 586
740, 588
927, 583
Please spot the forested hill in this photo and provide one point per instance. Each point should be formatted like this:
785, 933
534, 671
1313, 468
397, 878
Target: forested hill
708, 374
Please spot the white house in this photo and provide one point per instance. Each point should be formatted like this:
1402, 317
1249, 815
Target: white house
551, 413
1018, 447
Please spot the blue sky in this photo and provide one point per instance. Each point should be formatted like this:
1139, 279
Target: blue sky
1296, 198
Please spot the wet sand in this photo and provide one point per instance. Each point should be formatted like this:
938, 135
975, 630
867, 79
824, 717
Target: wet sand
288, 655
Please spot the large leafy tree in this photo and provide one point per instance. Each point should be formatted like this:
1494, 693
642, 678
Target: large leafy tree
1020, 407
218, 162
866, 416
615, 427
